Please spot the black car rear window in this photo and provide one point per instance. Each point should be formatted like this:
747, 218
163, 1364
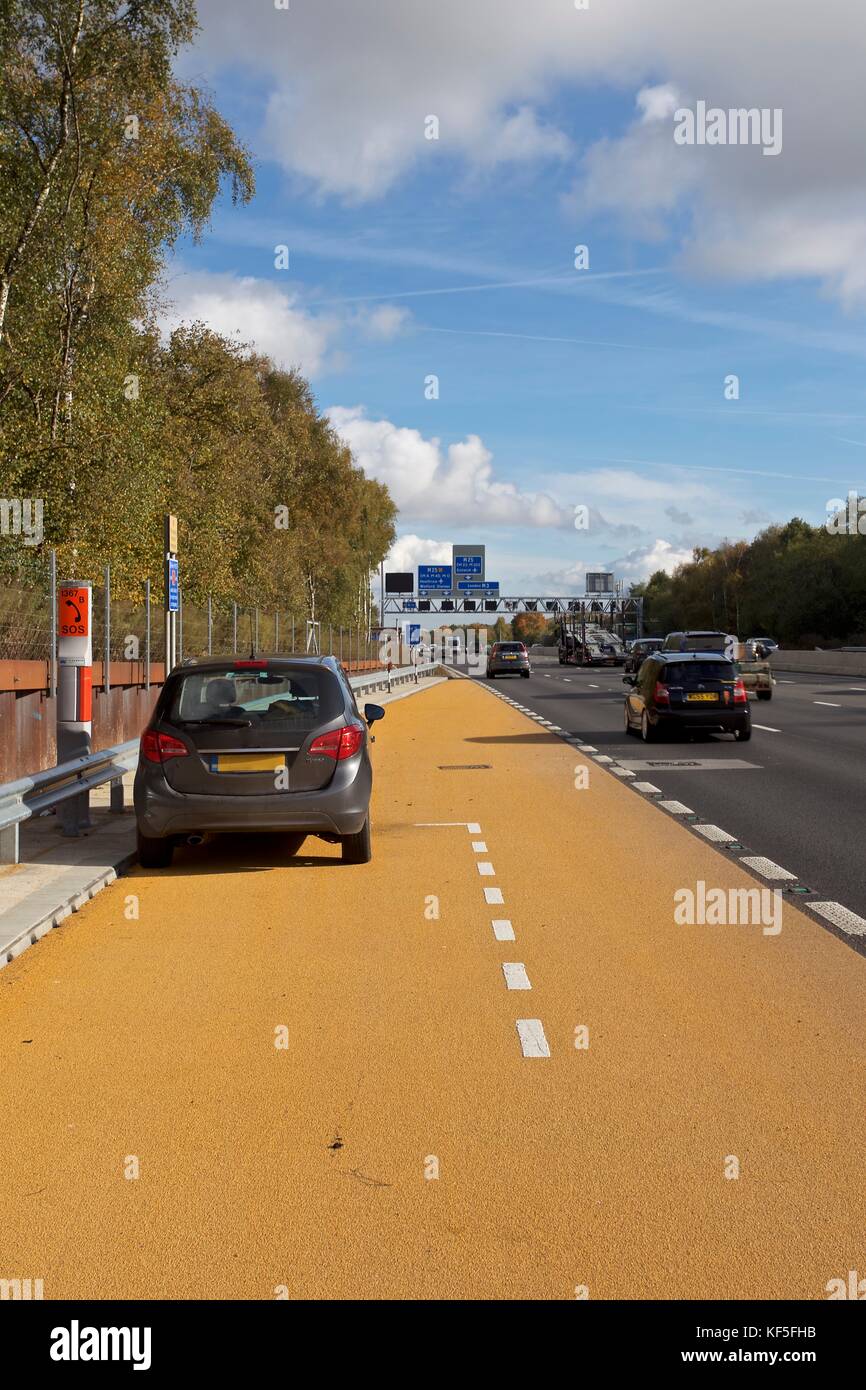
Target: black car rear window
509, 647
693, 672
275, 698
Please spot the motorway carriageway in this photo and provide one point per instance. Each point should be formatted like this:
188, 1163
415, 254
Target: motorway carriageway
430, 1129
795, 793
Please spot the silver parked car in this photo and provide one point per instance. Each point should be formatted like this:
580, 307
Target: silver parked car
265, 744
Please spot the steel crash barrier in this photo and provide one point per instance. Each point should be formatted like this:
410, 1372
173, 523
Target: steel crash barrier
57, 786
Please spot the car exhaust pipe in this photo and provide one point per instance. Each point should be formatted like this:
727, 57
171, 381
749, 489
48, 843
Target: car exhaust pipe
195, 839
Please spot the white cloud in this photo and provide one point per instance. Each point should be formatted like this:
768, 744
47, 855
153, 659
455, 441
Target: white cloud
353, 81
521, 138
657, 103
432, 483
639, 564
254, 311
273, 319
384, 322
410, 551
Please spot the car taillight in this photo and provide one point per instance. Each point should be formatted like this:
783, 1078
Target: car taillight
158, 748
338, 744
740, 696
662, 695
250, 665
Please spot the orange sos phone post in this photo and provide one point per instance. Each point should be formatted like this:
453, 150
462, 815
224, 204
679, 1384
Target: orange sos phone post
74, 692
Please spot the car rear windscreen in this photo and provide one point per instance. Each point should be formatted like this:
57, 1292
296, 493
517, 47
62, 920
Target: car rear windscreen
693, 672
275, 699
509, 647
705, 642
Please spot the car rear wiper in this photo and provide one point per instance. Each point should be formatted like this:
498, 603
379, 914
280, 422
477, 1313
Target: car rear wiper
223, 723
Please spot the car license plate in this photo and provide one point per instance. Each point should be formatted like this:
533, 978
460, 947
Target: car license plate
247, 762
510, 658
700, 695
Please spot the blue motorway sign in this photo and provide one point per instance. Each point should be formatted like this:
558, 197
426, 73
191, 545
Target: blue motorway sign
467, 564
173, 586
434, 578
414, 634
484, 586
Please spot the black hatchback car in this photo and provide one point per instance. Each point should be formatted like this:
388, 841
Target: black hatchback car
270, 743
683, 692
639, 650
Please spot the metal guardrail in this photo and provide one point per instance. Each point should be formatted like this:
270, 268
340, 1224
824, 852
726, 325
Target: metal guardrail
400, 675
30, 796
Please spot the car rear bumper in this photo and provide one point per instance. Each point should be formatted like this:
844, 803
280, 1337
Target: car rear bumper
340, 809
704, 718
508, 668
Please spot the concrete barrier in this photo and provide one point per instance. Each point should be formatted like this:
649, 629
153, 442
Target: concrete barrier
820, 663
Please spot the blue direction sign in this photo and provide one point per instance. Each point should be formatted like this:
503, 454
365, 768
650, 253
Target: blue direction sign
486, 586
434, 578
173, 586
414, 634
467, 564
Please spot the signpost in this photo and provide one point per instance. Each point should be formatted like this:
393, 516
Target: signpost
399, 582
435, 579
74, 692
468, 563
172, 592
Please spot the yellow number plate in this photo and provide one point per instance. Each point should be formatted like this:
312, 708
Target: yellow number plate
249, 762
701, 696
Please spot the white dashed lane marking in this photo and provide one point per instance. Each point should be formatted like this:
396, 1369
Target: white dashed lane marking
828, 704
646, 787
676, 808
479, 846
766, 868
493, 896
841, 917
713, 832
502, 929
766, 728
486, 869
515, 975
473, 827
533, 1043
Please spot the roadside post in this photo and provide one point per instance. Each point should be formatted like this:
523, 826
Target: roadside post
172, 592
414, 643
74, 692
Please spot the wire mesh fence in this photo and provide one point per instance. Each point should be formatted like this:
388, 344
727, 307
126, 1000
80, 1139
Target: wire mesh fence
129, 630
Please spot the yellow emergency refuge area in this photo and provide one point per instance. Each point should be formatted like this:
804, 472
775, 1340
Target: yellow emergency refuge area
489, 1064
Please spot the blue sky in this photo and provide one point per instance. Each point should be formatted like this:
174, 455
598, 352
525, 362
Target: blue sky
602, 387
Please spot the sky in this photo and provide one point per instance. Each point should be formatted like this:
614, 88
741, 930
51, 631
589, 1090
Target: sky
607, 384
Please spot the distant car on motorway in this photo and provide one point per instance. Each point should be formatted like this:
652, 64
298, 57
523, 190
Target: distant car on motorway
684, 692
762, 645
508, 659
268, 744
697, 640
639, 650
